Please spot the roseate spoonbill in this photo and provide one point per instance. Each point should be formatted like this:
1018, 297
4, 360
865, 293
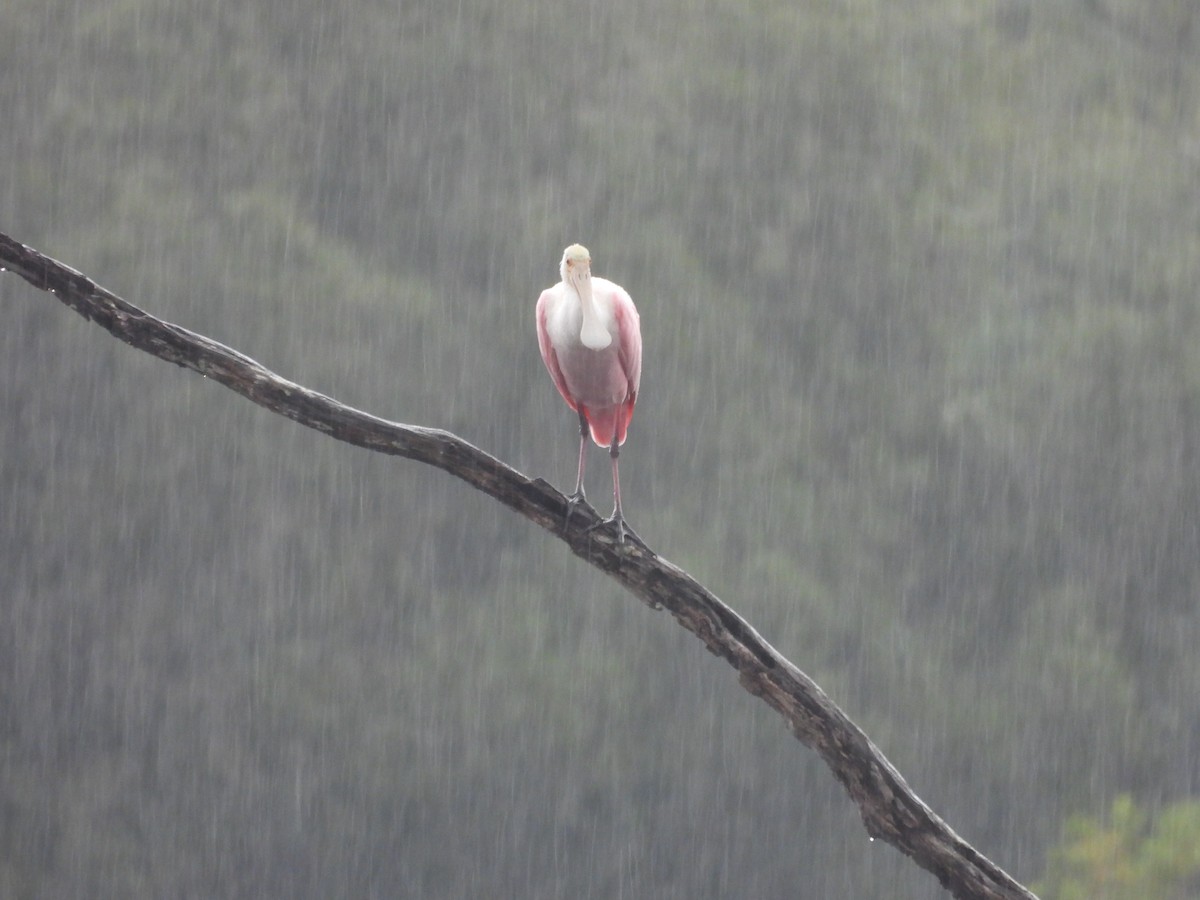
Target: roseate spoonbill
591, 341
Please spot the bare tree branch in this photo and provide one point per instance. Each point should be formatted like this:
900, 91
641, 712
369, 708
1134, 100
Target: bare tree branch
890, 810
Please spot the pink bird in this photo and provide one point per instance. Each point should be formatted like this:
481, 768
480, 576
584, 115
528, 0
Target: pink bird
591, 341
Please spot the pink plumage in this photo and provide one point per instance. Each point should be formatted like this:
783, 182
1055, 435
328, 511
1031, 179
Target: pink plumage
591, 341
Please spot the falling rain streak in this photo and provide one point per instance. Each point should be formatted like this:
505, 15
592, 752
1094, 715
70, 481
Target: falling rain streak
917, 291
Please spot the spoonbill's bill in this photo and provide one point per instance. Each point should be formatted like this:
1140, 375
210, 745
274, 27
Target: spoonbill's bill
591, 341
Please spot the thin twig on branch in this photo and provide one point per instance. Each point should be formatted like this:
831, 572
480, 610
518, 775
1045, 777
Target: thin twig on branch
890, 810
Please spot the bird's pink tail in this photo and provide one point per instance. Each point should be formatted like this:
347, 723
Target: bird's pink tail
604, 423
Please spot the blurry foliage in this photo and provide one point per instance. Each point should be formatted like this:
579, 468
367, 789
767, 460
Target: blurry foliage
917, 283
1126, 857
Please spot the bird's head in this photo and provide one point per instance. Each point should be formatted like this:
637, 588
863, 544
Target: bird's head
576, 266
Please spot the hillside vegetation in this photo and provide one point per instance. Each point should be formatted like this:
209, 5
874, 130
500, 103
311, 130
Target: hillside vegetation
920, 399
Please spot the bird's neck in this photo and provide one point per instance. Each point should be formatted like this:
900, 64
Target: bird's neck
593, 333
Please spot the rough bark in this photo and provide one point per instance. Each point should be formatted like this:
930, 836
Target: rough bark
890, 810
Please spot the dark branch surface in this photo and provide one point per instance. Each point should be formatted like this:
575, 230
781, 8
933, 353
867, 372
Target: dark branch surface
889, 808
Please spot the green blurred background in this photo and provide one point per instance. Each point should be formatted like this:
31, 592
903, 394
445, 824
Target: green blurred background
921, 400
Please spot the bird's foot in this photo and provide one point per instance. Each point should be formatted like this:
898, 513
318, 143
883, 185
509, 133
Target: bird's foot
623, 531
573, 501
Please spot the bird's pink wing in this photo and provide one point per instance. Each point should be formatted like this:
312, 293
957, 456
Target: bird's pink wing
629, 340
549, 357
629, 354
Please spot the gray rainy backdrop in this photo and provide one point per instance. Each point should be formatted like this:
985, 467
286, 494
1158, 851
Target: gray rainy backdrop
921, 400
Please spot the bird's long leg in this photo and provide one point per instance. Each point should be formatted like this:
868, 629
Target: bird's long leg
578, 496
617, 520
614, 451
